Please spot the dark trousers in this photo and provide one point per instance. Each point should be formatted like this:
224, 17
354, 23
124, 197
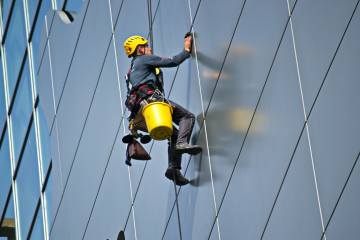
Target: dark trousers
185, 120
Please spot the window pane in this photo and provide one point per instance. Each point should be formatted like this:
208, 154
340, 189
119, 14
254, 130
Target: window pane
48, 200
45, 140
5, 172
32, 6
2, 99
38, 230
27, 182
59, 4
8, 223
5, 4
45, 6
21, 112
15, 44
74, 5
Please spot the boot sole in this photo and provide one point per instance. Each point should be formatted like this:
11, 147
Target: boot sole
191, 151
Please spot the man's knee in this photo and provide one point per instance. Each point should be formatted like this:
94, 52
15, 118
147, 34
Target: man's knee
190, 115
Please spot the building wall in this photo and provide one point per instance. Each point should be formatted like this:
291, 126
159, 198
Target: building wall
25, 159
274, 88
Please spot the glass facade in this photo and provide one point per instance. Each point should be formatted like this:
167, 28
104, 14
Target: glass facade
274, 88
24, 157
21, 111
15, 45
5, 176
27, 183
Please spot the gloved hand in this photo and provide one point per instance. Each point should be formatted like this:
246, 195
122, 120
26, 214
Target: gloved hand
188, 42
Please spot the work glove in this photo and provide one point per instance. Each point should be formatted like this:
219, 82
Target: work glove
191, 41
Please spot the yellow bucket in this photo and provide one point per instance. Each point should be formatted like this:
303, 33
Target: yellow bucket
158, 120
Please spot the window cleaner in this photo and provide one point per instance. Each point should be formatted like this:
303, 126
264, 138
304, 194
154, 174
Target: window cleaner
145, 86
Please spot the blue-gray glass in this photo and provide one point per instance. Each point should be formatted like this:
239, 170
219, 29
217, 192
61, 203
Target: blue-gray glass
39, 28
334, 122
48, 199
37, 232
5, 171
196, 204
296, 213
5, 8
239, 85
346, 218
92, 155
27, 183
45, 142
32, 6
101, 225
158, 207
318, 27
15, 45
59, 4
267, 150
45, 90
2, 98
21, 112
95, 53
9, 219
212, 42
168, 42
74, 5
65, 57
172, 231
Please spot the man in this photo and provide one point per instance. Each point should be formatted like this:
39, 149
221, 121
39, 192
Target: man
143, 80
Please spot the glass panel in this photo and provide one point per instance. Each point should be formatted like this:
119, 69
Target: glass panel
59, 4
48, 199
32, 6
7, 227
45, 6
28, 187
74, 5
2, 98
44, 140
38, 230
5, 8
15, 44
5, 172
20, 114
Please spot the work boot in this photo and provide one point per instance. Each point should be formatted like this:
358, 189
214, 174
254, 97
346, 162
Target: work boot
175, 175
187, 148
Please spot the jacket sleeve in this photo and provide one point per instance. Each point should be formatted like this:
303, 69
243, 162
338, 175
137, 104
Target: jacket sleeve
174, 61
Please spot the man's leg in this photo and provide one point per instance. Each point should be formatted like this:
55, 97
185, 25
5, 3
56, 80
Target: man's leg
173, 172
185, 120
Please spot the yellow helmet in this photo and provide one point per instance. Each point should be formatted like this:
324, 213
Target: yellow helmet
132, 42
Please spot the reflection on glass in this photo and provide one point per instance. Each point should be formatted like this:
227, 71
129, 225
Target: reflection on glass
74, 6
39, 25
32, 5
37, 232
5, 172
21, 112
48, 199
27, 182
2, 99
15, 45
45, 140
7, 228
5, 8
